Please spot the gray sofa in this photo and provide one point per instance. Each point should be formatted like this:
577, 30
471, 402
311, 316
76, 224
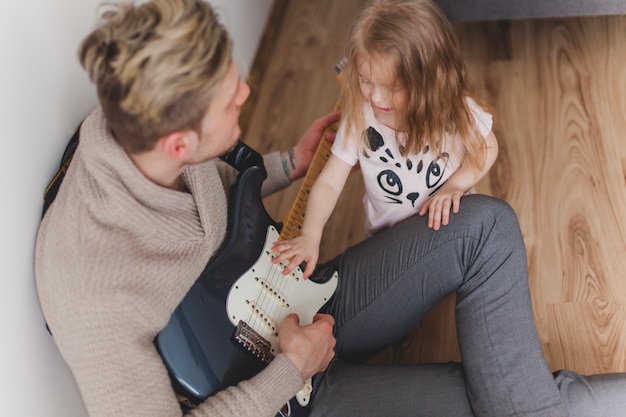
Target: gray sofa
464, 10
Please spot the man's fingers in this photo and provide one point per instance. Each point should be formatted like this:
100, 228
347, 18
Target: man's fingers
329, 119
291, 320
325, 321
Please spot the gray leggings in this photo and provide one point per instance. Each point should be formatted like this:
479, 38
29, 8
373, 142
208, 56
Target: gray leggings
390, 281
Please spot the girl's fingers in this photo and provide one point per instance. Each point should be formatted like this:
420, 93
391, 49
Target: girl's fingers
290, 266
445, 217
434, 217
281, 245
308, 271
293, 255
445, 212
456, 204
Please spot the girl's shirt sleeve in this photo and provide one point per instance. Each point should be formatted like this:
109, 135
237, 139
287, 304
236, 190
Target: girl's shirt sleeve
346, 145
482, 119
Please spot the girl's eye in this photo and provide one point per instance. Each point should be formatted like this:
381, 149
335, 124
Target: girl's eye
395, 87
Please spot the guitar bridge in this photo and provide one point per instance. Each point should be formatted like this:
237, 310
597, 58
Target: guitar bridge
254, 343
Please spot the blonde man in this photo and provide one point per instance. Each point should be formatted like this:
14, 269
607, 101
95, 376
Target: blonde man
143, 208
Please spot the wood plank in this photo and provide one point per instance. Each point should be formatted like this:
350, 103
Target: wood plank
299, 86
559, 101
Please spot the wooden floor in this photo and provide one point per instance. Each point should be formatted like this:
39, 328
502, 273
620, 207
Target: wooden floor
558, 87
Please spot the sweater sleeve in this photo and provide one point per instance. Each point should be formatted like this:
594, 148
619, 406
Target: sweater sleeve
120, 373
276, 177
244, 399
345, 146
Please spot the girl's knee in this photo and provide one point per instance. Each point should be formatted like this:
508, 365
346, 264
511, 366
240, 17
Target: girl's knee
596, 395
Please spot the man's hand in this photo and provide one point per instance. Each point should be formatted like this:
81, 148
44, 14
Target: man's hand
297, 160
310, 348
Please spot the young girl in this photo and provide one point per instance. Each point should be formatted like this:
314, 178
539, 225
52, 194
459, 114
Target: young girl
409, 120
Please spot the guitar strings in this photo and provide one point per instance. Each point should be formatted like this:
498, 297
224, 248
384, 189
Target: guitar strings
269, 304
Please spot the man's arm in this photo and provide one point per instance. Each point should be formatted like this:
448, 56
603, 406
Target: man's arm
290, 165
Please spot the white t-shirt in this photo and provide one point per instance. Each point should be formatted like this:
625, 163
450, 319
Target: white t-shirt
397, 187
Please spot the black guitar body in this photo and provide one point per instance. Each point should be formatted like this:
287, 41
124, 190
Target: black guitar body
198, 345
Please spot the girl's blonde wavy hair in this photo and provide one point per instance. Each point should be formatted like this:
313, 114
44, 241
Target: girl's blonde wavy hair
420, 44
156, 67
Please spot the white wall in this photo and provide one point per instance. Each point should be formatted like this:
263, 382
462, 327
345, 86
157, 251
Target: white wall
43, 95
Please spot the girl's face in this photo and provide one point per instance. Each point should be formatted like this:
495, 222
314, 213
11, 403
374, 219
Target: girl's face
381, 89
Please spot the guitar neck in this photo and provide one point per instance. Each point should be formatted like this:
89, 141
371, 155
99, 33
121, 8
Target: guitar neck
292, 222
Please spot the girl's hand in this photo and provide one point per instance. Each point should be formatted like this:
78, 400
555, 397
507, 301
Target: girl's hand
298, 250
449, 196
439, 206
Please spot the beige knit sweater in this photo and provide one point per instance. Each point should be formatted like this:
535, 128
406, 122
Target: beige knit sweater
115, 255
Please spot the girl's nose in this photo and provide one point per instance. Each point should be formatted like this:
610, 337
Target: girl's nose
376, 95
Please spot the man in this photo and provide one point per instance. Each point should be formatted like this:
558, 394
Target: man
139, 214
143, 209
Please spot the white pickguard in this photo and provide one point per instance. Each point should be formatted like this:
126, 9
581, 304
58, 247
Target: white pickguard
263, 297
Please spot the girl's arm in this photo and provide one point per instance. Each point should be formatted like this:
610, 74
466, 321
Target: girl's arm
322, 200
449, 196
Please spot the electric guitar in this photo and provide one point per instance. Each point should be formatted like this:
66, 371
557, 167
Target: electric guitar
225, 329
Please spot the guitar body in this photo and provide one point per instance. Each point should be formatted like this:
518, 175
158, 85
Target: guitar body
224, 330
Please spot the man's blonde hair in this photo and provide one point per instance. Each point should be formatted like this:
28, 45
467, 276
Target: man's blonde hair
156, 67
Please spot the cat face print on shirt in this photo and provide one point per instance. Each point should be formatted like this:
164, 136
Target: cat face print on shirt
403, 179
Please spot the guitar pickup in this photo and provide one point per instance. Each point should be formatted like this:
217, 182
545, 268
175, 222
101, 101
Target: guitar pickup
263, 317
250, 340
271, 290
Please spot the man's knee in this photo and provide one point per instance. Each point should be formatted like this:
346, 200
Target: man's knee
484, 209
592, 396
479, 203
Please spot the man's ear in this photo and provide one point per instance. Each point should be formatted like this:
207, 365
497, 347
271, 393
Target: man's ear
179, 144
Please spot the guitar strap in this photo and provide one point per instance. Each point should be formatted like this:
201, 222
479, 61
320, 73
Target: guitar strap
241, 157
53, 186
